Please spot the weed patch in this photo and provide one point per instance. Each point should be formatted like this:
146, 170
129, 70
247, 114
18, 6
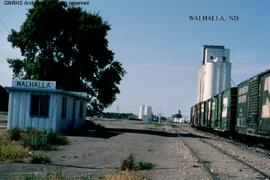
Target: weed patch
124, 175
15, 145
143, 165
40, 158
14, 134
129, 163
56, 138
55, 175
12, 150
36, 141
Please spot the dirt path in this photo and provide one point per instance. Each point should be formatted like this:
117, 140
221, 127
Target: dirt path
104, 151
97, 153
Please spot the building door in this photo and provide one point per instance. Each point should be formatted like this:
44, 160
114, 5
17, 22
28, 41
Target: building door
73, 114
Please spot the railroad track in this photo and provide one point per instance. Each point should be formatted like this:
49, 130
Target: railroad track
258, 149
213, 175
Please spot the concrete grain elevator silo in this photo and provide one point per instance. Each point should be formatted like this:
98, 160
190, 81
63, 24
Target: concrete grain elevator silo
215, 72
145, 113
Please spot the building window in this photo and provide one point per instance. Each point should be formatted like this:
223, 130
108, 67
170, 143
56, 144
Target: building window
211, 57
81, 110
39, 105
64, 108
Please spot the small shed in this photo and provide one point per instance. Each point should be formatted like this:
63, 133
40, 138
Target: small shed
38, 104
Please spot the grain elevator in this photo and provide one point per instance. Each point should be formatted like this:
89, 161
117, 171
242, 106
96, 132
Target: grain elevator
215, 72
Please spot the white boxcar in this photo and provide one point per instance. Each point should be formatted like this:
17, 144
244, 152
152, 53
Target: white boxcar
38, 104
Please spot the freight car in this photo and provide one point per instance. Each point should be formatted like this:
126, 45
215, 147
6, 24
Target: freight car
242, 111
253, 106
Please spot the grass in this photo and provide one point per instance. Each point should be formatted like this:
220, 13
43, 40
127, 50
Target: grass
15, 134
12, 150
56, 138
130, 164
15, 145
57, 175
54, 175
40, 158
38, 140
124, 175
144, 165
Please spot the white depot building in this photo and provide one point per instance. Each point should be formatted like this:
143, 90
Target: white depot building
215, 72
38, 104
145, 113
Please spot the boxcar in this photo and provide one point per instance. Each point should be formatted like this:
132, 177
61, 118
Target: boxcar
218, 109
192, 115
253, 109
196, 114
208, 114
264, 105
242, 107
214, 111
228, 111
224, 115
203, 122
244, 110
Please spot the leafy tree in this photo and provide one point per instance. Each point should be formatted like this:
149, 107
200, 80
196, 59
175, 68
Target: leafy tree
67, 45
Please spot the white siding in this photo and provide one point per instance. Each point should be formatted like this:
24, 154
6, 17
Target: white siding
19, 112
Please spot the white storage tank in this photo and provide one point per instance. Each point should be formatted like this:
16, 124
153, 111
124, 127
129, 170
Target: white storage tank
141, 112
145, 113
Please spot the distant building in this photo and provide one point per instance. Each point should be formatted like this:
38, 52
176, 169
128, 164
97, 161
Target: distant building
145, 113
215, 72
38, 104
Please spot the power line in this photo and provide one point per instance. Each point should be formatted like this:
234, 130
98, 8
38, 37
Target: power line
5, 27
233, 82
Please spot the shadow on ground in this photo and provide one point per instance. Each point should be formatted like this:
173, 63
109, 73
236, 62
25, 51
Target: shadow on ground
110, 132
104, 134
152, 132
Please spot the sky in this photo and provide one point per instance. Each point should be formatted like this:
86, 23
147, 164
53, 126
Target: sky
161, 48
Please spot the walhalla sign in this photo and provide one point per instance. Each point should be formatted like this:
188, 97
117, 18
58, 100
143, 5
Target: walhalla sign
34, 84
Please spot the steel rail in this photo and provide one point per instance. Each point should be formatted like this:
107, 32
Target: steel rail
213, 175
232, 156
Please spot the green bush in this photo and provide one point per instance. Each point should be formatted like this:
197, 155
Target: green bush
40, 158
129, 163
31, 131
56, 138
36, 141
14, 134
143, 165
